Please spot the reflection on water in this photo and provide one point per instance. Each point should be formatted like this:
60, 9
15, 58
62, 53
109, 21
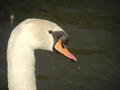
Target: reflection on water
94, 32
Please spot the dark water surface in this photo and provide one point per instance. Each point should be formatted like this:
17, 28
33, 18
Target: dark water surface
94, 30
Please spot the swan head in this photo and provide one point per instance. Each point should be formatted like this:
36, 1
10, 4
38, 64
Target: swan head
44, 35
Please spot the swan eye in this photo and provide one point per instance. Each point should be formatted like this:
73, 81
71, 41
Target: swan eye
50, 32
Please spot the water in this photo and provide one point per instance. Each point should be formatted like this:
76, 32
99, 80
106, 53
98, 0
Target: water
93, 27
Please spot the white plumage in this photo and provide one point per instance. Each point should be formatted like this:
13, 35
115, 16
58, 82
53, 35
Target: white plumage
29, 35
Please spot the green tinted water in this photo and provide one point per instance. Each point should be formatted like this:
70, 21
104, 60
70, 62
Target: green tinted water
93, 27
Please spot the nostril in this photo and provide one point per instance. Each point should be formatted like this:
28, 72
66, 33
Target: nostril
62, 45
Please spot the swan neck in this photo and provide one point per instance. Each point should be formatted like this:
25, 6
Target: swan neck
21, 68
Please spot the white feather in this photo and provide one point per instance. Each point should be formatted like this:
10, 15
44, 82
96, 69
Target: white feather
31, 34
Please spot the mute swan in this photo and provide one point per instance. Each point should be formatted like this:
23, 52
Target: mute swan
29, 35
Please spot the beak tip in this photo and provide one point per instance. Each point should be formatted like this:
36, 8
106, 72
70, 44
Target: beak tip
74, 59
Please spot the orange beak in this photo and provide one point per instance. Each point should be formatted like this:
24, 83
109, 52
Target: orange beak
60, 47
